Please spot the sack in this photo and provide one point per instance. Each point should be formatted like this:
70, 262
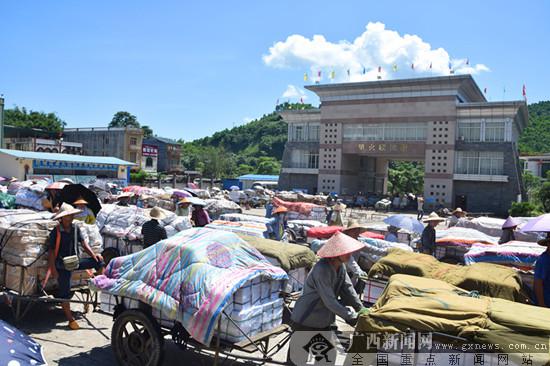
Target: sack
71, 263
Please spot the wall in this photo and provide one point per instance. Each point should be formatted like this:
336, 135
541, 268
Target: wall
10, 167
100, 142
486, 196
291, 181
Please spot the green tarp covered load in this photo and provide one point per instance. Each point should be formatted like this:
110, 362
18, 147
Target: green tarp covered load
417, 304
485, 278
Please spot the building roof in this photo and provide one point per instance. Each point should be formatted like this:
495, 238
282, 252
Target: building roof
65, 157
163, 139
267, 178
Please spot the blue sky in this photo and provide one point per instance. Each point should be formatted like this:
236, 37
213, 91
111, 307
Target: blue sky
188, 70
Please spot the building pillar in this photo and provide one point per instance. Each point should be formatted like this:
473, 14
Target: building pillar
1, 123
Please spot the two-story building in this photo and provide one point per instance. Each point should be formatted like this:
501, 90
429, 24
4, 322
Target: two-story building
169, 154
467, 144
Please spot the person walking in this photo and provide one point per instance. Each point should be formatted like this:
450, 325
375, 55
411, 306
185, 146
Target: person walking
427, 240
152, 231
420, 208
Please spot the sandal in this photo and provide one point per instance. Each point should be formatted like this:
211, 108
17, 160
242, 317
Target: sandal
73, 325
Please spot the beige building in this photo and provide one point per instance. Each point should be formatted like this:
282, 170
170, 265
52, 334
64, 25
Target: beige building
467, 144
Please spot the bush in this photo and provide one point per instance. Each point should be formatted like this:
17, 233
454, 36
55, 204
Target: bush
524, 209
138, 177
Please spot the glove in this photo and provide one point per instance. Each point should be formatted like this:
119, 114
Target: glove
363, 311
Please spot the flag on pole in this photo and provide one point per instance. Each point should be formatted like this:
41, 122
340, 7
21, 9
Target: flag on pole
379, 68
305, 76
302, 100
524, 92
430, 65
394, 67
412, 66
348, 73
364, 70
332, 75
319, 73
451, 68
484, 90
277, 101
467, 61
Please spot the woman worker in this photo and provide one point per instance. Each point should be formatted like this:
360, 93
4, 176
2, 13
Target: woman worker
63, 256
277, 224
86, 215
328, 288
508, 229
183, 208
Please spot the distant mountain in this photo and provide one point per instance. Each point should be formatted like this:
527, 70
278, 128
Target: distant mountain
536, 137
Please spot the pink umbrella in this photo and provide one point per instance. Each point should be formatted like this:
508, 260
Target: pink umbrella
180, 194
57, 185
538, 224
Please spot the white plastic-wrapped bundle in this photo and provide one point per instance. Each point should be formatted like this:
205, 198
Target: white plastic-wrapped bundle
375, 249
493, 227
236, 217
90, 233
215, 208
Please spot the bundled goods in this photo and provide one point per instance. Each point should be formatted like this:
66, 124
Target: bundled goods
301, 210
287, 196
456, 241
216, 208
307, 223
7, 200
91, 235
516, 254
317, 199
31, 195
255, 229
493, 227
126, 222
323, 232
375, 249
195, 282
24, 236
235, 217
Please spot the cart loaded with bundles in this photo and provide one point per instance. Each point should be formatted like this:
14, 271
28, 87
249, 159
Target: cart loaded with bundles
24, 242
209, 289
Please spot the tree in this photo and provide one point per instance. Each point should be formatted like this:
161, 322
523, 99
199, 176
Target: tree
544, 196
20, 117
268, 165
532, 186
405, 177
147, 131
124, 119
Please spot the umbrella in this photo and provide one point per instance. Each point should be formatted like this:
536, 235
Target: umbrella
72, 192
192, 186
405, 222
538, 224
191, 191
18, 348
180, 193
196, 201
235, 188
57, 185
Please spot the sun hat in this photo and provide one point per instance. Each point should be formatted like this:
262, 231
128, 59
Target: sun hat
183, 201
354, 225
433, 217
80, 201
156, 213
510, 223
65, 210
458, 210
340, 244
280, 209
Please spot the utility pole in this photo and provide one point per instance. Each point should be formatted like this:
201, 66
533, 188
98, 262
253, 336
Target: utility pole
1, 122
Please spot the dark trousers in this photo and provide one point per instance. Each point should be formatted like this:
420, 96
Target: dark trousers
64, 276
420, 215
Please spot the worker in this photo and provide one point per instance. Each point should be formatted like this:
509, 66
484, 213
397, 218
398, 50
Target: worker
277, 225
53, 200
64, 258
456, 215
199, 216
391, 235
420, 208
124, 199
328, 289
152, 231
183, 208
542, 275
337, 211
86, 215
269, 209
427, 240
508, 229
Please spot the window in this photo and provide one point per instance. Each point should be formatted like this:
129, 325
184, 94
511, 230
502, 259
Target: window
304, 159
133, 140
133, 157
385, 132
480, 162
303, 132
149, 162
469, 131
494, 131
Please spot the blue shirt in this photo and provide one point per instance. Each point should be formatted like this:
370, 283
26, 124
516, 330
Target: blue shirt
276, 226
542, 272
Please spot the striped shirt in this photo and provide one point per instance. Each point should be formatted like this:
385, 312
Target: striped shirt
152, 233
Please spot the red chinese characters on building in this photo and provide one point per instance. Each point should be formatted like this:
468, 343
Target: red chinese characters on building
149, 150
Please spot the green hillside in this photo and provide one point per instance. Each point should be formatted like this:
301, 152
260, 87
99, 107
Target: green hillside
536, 137
253, 148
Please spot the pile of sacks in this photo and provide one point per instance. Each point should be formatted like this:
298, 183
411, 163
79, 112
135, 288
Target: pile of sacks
29, 193
126, 222
218, 207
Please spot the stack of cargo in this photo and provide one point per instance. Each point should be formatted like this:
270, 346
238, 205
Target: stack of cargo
218, 207
302, 210
30, 194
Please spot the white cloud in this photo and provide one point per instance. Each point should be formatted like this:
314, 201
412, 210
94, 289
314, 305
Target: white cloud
375, 47
293, 92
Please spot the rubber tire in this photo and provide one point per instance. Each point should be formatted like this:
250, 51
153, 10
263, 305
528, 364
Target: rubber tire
156, 352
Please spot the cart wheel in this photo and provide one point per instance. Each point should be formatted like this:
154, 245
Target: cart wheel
136, 340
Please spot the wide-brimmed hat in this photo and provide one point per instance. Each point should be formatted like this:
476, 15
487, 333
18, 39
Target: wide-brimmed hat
354, 225
156, 213
340, 244
433, 217
280, 209
65, 210
458, 210
510, 223
125, 195
80, 201
183, 201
